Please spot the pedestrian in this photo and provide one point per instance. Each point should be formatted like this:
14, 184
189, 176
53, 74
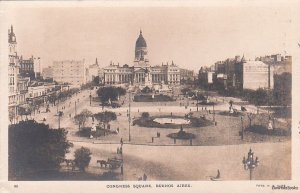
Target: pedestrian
118, 129
121, 141
218, 175
145, 177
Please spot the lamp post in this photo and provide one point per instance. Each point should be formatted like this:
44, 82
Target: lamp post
90, 98
75, 107
214, 113
249, 163
129, 118
60, 113
197, 99
242, 132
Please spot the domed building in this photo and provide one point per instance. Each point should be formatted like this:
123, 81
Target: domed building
142, 73
141, 52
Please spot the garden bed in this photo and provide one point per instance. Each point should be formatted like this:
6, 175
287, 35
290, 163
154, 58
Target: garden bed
265, 131
86, 132
194, 122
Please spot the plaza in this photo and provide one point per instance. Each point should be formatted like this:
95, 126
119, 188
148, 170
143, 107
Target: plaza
163, 159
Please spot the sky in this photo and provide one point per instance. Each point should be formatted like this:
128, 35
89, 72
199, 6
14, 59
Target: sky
190, 36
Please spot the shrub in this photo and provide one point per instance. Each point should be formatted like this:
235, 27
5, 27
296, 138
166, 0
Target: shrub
106, 116
145, 115
82, 158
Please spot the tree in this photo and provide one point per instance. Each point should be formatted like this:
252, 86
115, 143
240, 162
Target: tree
86, 113
146, 90
11, 115
81, 118
96, 81
105, 117
110, 93
145, 115
82, 158
283, 89
250, 116
34, 147
24, 111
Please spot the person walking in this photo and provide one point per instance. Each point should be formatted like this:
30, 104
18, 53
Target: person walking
145, 177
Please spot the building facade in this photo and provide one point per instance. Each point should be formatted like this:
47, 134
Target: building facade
17, 85
47, 73
257, 74
92, 71
40, 91
69, 71
239, 73
142, 73
27, 67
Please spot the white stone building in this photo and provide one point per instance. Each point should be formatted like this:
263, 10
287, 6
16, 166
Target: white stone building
142, 73
257, 74
69, 71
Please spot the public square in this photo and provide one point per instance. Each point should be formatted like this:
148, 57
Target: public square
215, 147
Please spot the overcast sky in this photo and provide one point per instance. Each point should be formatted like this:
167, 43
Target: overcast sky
191, 37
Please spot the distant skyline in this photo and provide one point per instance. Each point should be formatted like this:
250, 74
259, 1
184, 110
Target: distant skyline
190, 36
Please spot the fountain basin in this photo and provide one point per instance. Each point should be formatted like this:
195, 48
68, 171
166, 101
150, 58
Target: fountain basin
176, 121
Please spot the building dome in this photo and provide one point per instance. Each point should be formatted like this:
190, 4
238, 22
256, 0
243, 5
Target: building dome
141, 49
140, 42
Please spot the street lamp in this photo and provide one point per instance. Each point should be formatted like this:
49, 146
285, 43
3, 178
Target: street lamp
197, 99
242, 132
90, 98
75, 108
60, 113
129, 118
249, 163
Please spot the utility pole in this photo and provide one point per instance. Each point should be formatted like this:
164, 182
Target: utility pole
214, 113
90, 98
75, 107
242, 132
197, 100
129, 118
57, 105
59, 115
